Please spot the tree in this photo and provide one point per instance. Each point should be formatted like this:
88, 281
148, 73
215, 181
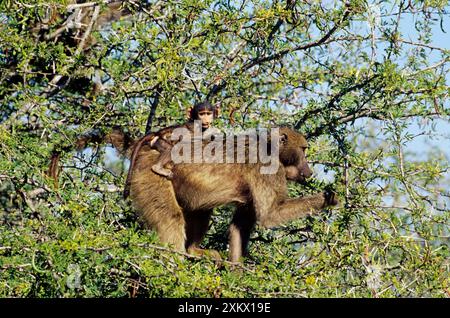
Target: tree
363, 80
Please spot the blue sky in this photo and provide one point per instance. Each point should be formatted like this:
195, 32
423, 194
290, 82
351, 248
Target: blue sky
439, 39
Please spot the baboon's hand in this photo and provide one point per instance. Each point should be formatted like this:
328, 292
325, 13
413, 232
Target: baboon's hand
330, 198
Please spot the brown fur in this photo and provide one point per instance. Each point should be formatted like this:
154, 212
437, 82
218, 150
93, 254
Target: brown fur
54, 169
164, 135
180, 211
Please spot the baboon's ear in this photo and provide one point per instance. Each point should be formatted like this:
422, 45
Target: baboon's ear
283, 139
189, 112
217, 109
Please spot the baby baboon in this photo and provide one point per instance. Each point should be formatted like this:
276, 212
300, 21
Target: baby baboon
160, 141
201, 118
180, 210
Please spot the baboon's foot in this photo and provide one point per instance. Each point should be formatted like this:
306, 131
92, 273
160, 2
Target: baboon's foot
162, 171
331, 198
204, 252
169, 175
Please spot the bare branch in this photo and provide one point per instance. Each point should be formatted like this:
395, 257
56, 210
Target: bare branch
88, 30
87, 4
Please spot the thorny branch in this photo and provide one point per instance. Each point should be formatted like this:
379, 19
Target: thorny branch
216, 88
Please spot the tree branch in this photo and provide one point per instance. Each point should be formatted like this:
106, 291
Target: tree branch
218, 87
331, 104
154, 106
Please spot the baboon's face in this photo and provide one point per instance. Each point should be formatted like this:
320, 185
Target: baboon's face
206, 116
293, 147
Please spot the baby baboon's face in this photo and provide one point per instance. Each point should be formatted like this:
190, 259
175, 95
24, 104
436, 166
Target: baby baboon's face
206, 116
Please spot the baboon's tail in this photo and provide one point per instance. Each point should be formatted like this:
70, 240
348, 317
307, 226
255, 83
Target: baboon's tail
120, 140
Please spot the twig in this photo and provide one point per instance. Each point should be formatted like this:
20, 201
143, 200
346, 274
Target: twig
68, 24
86, 4
447, 59
88, 30
100, 249
346, 167
422, 45
154, 106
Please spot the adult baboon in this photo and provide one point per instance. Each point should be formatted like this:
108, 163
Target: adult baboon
180, 210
